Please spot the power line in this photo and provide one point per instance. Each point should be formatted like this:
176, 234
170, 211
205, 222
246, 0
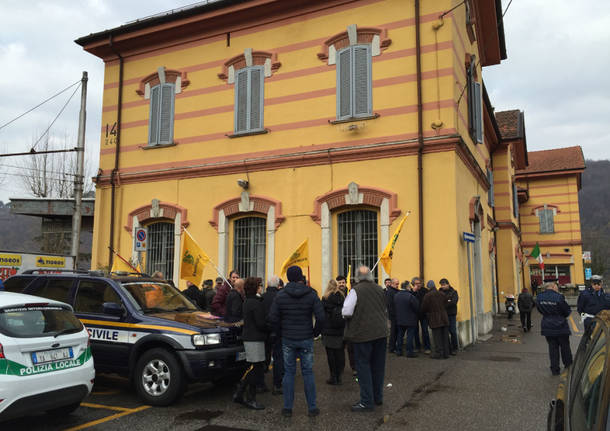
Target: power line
506, 10
55, 119
29, 168
33, 152
39, 105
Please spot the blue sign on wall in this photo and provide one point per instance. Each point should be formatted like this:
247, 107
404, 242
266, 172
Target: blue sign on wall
468, 237
587, 273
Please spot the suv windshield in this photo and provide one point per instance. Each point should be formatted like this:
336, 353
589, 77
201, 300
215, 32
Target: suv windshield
158, 297
38, 321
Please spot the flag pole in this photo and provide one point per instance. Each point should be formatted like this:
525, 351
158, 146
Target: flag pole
123, 259
210, 259
308, 277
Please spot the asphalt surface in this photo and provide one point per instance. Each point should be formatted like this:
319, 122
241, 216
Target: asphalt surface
503, 383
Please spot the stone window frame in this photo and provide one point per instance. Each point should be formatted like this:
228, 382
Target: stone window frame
161, 77
243, 205
353, 195
161, 211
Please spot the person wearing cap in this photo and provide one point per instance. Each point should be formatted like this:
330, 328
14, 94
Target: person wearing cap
554, 326
593, 300
291, 316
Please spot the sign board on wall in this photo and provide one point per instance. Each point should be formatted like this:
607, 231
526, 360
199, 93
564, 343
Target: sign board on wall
588, 274
16, 263
586, 256
140, 238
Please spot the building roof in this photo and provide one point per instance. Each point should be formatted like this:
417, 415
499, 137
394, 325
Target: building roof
559, 159
509, 123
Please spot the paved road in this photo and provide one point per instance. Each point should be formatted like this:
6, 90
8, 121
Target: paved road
503, 383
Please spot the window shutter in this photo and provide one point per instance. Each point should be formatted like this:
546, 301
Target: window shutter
362, 81
478, 104
515, 201
549, 221
490, 197
256, 98
241, 101
471, 98
153, 119
166, 123
542, 218
344, 84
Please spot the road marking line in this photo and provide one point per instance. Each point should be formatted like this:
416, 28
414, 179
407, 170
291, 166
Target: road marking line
102, 406
107, 418
574, 327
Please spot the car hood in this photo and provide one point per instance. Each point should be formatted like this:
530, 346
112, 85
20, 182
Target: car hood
198, 319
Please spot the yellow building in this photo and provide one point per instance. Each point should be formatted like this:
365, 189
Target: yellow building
259, 124
510, 156
550, 216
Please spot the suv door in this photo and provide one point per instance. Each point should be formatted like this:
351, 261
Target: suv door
57, 288
109, 338
588, 386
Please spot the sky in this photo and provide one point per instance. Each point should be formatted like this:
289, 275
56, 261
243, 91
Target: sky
556, 72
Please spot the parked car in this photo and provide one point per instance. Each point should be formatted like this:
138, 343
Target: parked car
584, 390
145, 329
45, 357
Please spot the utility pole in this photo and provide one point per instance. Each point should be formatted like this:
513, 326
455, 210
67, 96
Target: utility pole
79, 180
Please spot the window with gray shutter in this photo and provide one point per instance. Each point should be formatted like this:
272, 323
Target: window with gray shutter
161, 119
475, 103
354, 82
490, 193
547, 224
478, 115
249, 99
515, 201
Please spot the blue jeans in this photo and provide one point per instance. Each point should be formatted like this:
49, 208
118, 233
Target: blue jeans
410, 331
453, 333
292, 350
370, 363
424, 333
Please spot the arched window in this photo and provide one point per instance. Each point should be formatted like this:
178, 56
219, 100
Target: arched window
357, 239
160, 249
249, 246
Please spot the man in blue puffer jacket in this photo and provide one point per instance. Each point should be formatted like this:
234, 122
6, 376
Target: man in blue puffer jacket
291, 316
554, 309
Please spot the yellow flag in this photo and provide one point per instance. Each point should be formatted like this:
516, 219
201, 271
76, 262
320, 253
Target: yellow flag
193, 260
300, 257
119, 265
349, 277
388, 253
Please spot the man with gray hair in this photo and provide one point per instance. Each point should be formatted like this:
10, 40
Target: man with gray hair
273, 345
367, 328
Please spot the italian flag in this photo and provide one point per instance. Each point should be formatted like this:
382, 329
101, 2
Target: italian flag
538, 256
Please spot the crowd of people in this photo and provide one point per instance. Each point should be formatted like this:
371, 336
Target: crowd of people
280, 325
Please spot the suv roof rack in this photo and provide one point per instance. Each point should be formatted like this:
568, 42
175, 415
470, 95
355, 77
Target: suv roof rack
73, 271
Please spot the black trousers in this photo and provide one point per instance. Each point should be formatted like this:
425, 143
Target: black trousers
393, 335
350, 355
557, 344
441, 341
336, 362
370, 362
255, 374
526, 319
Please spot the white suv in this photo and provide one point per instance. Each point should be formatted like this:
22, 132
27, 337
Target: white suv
45, 358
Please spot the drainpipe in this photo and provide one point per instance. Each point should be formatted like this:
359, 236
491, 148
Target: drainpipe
493, 211
115, 171
420, 142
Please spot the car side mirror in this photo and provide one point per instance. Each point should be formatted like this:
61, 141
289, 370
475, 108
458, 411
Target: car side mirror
113, 309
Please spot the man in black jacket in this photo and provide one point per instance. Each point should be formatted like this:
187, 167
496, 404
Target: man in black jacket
592, 301
291, 315
420, 291
451, 305
390, 292
554, 326
525, 302
273, 345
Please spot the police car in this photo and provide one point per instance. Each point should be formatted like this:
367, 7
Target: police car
45, 357
145, 329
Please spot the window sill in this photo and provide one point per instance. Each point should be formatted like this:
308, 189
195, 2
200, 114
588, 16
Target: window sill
152, 147
248, 133
353, 119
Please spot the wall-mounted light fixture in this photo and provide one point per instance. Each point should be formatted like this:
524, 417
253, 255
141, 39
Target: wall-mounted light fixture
243, 184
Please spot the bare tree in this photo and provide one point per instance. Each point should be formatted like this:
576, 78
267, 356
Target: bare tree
52, 175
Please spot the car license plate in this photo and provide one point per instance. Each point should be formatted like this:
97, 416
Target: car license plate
241, 356
52, 355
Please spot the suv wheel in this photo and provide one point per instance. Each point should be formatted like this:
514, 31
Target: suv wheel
158, 377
